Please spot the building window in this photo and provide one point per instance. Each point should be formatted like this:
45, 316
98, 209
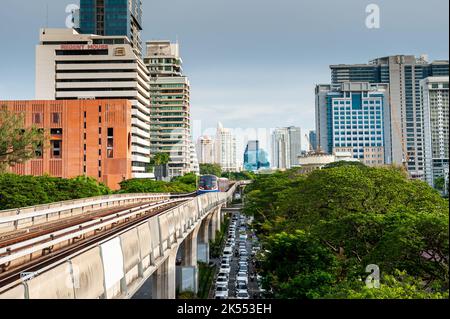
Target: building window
56, 117
39, 151
37, 118
56, 149
110, 144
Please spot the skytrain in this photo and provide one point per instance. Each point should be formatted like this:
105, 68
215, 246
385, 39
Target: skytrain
212, 184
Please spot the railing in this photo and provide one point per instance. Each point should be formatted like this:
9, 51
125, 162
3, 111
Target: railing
13, 219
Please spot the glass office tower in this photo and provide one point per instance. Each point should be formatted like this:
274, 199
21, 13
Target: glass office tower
112, 18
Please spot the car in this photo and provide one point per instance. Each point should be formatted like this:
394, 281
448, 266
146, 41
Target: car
243, 268
225, 268
225, 262
223, 275
243, 252
221, 281
241, 285
243, 263
221, 292
242, 277
242, 237
242, 294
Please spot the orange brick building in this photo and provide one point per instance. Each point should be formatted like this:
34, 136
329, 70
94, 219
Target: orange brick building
86, 137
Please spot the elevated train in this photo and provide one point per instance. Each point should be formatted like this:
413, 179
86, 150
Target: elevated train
212, 184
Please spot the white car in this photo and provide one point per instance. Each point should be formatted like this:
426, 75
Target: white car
242, 294
221, 292
225, 269
242, 277
221, 281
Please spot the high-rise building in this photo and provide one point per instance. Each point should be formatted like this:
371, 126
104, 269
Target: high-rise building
313, 140
193, 163
295, 144
71, 66
225, 149
286, 147
403, 73
112, 18
86, 137
435, 103
255, 158
169, 105
356, 119
280, 149
205, 150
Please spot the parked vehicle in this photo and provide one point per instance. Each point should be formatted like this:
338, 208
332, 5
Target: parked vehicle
242, 294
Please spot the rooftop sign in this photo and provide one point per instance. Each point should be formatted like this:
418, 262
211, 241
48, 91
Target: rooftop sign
84, 47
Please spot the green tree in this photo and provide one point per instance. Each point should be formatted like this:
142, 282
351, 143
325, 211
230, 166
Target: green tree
17, 143
298, 266
361, 215
439, 183
160, 159
399, 285
21, 191
210, 169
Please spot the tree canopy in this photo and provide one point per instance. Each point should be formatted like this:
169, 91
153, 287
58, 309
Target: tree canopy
21, 191
358, 214
17, 143
210, 169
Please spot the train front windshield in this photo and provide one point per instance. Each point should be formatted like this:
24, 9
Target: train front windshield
208, 183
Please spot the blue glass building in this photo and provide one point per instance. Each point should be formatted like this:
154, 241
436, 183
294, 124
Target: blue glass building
255, 158
403, 73
112, 18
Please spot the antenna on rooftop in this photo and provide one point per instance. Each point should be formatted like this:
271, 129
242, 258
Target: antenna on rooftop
46, 16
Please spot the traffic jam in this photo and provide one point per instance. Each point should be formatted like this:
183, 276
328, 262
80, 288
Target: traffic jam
237, 277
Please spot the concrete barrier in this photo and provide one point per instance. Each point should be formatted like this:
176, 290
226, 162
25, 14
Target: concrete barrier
18, 292
112, 258
56, 283
145, 244
88, 274
156, 237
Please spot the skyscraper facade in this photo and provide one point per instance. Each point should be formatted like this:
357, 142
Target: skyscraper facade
313, 140
281, 155
286, 147
169, 105
205, 150
357, 120
403, 73
112, 18
73, 66
435, 102
225, 149
255, 158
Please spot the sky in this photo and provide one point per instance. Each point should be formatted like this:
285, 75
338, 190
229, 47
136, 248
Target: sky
252, 64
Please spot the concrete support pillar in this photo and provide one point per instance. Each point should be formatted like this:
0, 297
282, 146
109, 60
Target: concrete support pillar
159, 278
171, 275
187, 272
203, 241
216, 222
164, 279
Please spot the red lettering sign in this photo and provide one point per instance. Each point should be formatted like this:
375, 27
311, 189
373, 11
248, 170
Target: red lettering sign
84, 47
